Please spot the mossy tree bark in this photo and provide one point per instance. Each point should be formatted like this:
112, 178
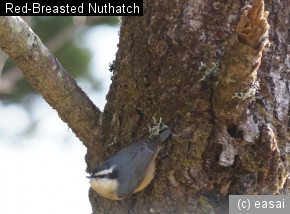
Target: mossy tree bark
180, 62
231, 126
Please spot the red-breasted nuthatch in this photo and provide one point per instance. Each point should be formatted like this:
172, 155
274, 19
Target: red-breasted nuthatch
130, 170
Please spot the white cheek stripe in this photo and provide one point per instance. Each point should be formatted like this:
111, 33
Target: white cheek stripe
104, 172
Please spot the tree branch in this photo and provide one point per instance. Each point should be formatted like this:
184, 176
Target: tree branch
12, 76
47, 76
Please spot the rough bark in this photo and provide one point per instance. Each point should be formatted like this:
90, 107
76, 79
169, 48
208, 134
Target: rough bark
167, 66
47, 76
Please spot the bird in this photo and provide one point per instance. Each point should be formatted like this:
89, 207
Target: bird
130, 170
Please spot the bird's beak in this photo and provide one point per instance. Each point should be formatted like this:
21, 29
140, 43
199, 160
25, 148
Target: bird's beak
90, 177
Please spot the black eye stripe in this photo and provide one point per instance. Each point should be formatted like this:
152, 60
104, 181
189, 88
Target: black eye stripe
112, 175
102, 176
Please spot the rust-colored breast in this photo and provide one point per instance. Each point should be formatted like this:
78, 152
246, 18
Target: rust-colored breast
148, 177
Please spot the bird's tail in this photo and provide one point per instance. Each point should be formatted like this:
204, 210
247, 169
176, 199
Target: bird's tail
165, 135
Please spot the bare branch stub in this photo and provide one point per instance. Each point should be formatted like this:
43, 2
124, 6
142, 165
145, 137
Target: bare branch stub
241, 62
253, 27
237, 83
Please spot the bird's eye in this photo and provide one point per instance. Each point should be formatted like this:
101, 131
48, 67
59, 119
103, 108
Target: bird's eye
102, 176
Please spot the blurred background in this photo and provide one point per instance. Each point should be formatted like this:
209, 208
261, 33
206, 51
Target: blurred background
42, 165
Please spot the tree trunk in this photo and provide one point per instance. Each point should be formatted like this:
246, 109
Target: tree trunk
191, 64
167, 67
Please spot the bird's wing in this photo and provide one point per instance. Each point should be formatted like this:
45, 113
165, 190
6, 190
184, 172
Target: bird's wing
142, 153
